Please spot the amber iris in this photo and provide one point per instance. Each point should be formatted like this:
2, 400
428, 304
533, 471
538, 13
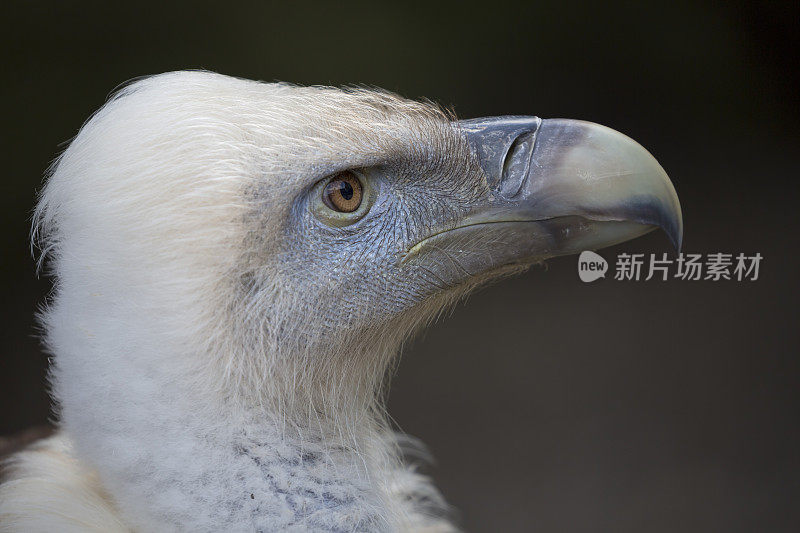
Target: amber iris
343, 192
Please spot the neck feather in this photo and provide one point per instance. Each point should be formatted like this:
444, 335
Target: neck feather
180, 451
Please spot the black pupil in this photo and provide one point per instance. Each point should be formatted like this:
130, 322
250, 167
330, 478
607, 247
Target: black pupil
346, 190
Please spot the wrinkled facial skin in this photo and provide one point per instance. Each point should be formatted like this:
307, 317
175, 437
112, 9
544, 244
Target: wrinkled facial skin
359, 267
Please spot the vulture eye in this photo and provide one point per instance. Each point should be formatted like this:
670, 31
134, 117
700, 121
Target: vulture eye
343, 198
343, 192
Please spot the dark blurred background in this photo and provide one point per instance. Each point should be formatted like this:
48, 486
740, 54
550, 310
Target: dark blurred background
550, 404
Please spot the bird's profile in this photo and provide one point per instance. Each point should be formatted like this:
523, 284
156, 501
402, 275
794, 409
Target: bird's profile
236, 266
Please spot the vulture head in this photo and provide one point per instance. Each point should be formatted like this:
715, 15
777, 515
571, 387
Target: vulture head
238, 263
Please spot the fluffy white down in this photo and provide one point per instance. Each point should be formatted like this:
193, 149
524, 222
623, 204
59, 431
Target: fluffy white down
46, 488
168, 419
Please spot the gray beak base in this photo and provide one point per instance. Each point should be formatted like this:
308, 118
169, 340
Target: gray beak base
595, 186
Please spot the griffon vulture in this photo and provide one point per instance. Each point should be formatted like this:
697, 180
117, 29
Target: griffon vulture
236, 266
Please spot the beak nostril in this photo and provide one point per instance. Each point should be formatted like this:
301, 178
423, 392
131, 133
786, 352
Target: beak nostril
516, 165
503, 146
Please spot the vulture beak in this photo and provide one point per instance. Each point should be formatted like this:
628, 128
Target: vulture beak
557, 187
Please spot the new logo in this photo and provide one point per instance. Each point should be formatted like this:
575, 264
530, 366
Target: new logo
591, 266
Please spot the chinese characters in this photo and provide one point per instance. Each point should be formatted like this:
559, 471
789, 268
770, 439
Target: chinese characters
690, 267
